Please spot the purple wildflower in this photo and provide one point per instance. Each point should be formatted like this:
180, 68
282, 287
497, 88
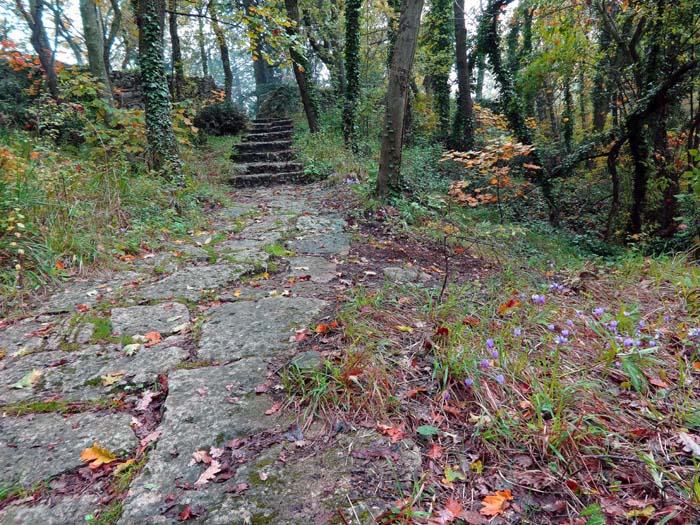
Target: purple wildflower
517, 332
489, 343
565, 333
618, 364
550, 327
468, 382
538, 299
485, 363
500, 379
494, 353
598, 311
628, 341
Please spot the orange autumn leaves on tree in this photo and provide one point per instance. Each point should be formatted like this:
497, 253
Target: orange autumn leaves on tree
493, 163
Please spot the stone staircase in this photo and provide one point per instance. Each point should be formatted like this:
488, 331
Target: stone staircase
265, 156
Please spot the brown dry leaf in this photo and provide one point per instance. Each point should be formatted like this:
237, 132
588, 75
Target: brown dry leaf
200, 456
395, 433
208, 474
274, 408
495, 504
97, 455
153, 338
689, 444
435, 451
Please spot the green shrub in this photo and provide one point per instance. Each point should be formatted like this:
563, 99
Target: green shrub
222, 118
280, 101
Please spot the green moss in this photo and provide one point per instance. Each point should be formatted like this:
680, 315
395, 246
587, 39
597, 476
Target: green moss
277, 250
61, 407
102, 329
189, 365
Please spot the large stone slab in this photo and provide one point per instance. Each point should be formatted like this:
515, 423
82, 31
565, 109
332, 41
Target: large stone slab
322, 244
405, 275
161, 318
89, 292
205, 407
320, 224
27, 335
242, 329
39, 446
64, 511
319, 270
77, 376
192, 283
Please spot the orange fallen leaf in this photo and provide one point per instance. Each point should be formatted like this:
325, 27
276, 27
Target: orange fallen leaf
394, 433
435, 452
153, 338
508, 305
274, 408
82, 308
208, 474
495, 504
97, 455
60, 265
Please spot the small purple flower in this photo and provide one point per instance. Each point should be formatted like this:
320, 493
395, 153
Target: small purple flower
500, 379
550, 327
626, 313
565, 333
667, 318
560, 340
517, 332
598, 311
612, 325
694, 332
468, 382
652, 343
628, 341
641, 323
538, 299
579, 312
485, 363
618, 364
569, 323
489, 343
494, 353
447, 396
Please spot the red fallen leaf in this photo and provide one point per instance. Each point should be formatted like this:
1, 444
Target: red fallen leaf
414, 392
82, 307
301, 335
274, 408
395, 433
435, 451
322, 328
153, 338
304, 278
508, 305
442, 331
470, 321
334, 324
660, 383
640, 433
236, 489
261, 389
186, 513
573, 485
452, 410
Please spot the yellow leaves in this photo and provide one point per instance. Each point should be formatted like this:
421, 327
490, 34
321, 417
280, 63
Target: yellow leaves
111, 379
403, 328
97, 456
495, 504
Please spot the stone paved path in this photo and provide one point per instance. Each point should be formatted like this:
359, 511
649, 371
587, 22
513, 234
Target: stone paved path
78, 371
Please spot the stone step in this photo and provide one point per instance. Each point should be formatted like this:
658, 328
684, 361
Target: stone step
270, 129
268, 179
262, 156
259, 147
269, 167
286, 121
269, 137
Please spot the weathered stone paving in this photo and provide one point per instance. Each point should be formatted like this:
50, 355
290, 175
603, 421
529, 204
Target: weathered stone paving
188, 319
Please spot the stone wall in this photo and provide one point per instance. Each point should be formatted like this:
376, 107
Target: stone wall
127, 88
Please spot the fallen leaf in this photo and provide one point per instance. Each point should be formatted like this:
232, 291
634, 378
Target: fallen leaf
274, 408
124, 466
263, 476
236, 489
508, 305
97, 455
435, 451
689, 444
403, 328
200, 456
453, 474
110, 379
202, 392
237, 293
322, 328
208, 474
395, 433
143, 403
29, 380
153, 338
186, 513
495, 504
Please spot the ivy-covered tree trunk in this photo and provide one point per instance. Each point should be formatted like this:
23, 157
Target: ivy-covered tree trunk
162, 145
389, 174
463, 129
480, 72
94, 42
40, 41
223, 49
352, 69
176, 53
301, 70
438, 44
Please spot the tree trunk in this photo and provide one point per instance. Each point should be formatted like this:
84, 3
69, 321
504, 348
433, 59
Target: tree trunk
463, 130
114, 29
399, 78
352, 67
162, 144
40, 41
568, 117
480, 71
176, 53
301, 70
94, 42
223, 48
201, 41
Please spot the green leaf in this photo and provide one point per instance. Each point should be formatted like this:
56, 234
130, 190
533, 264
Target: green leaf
29, 380
428, 430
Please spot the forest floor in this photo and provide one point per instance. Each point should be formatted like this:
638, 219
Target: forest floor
298, 362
